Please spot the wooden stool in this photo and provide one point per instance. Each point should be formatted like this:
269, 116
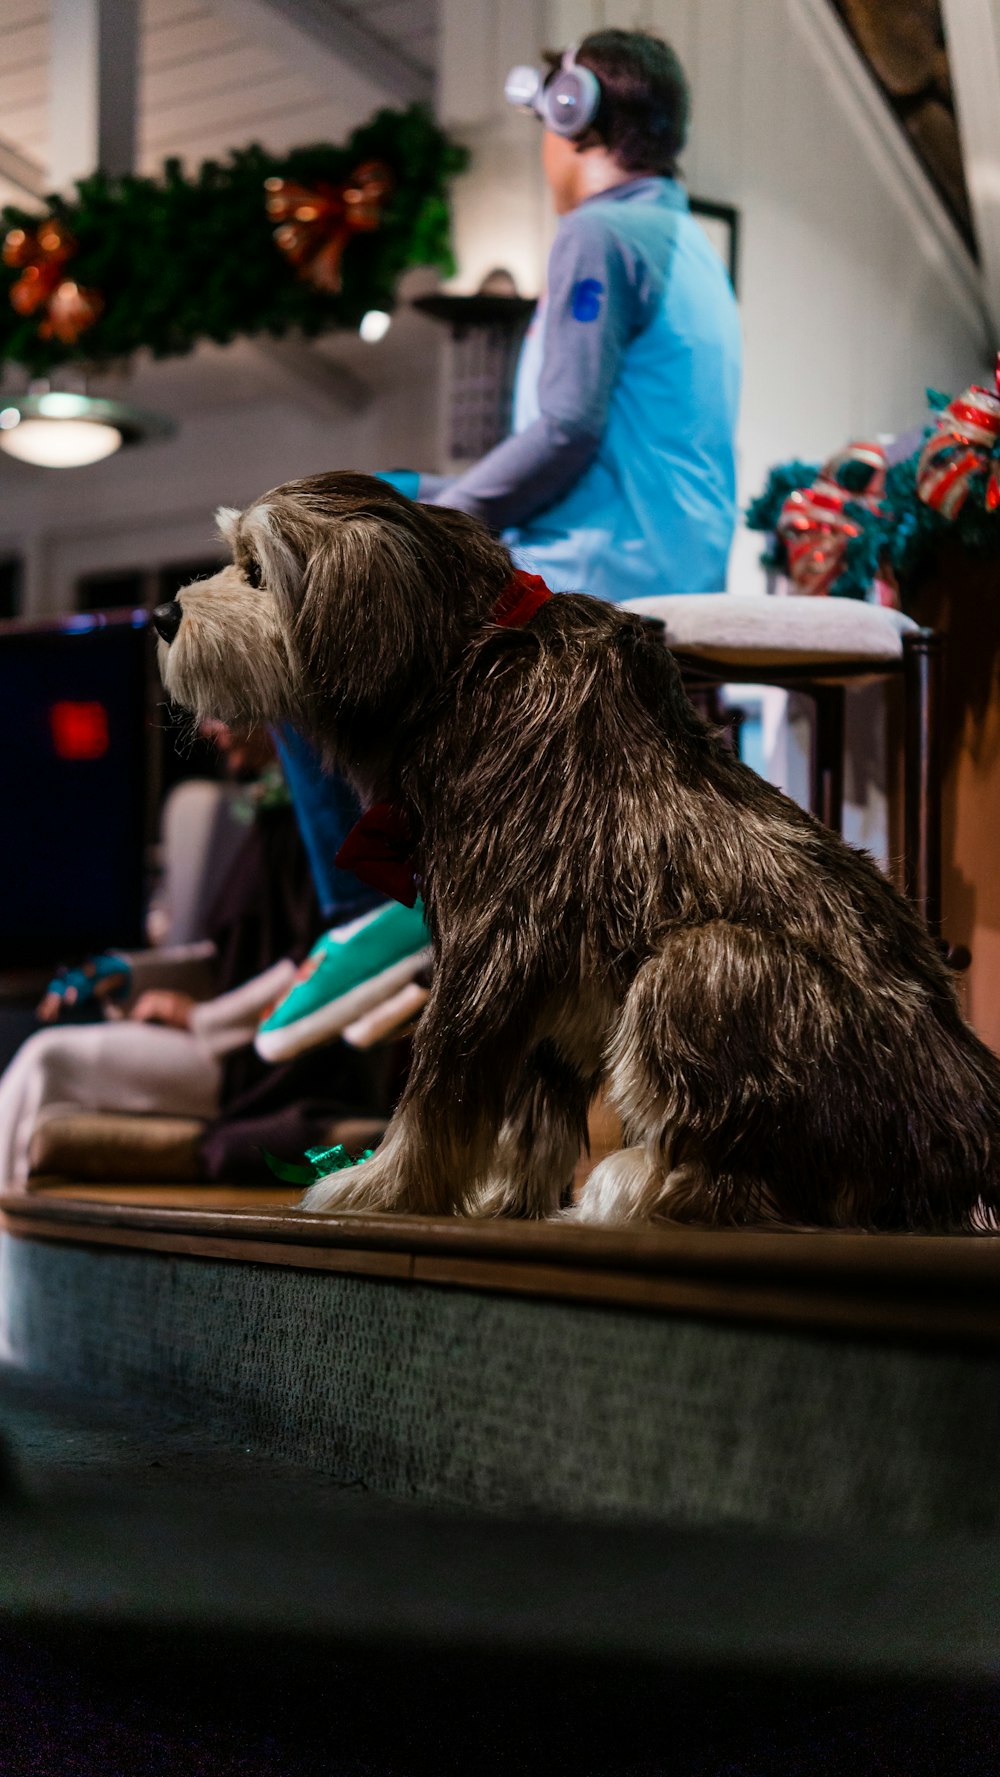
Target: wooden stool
819, 646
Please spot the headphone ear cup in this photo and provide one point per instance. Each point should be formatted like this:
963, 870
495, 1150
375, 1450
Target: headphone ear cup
570, 101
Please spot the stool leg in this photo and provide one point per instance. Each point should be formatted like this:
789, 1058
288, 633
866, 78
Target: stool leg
922, 650
828, 755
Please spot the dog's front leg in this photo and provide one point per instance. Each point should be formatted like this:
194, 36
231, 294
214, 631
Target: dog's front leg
545, 1124
403, 1175
446, 1126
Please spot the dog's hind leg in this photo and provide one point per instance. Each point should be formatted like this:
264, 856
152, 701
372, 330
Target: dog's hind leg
636, 1185
624, 1187
545, 1121
719, 1051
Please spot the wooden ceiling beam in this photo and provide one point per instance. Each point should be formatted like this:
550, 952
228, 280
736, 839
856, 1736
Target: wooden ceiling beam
847, 73
95, 61
18, 169
307, 33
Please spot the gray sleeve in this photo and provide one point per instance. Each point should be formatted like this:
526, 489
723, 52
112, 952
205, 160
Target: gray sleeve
595, 306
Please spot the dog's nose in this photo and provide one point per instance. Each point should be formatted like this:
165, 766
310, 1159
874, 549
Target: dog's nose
167, 619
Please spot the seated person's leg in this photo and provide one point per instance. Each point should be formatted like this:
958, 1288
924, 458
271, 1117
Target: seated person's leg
102, 1067
326, 809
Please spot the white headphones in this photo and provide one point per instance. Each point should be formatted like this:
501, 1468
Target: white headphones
567, 101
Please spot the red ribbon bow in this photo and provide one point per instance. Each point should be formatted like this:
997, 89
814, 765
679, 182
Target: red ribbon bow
379, 847
317, 222
962, 445
813, 523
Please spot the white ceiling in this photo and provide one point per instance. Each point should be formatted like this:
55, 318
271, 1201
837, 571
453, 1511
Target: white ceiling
216, 74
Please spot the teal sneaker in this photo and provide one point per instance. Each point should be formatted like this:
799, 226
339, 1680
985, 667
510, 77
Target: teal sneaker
351, 969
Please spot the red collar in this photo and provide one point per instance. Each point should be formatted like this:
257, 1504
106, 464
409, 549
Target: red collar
379, 848
523, 595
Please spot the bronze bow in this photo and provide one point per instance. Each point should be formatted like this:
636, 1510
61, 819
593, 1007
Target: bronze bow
315, 224
42, 255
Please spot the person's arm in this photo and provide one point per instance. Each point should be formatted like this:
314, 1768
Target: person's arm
231, 1019
118, 979
596, 305
179, 968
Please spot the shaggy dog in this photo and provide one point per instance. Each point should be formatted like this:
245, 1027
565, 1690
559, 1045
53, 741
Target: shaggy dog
612, 896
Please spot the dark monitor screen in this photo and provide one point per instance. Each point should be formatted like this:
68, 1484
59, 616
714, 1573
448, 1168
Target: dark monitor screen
73, 786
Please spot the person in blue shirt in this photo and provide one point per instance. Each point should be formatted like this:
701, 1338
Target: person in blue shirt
619, 476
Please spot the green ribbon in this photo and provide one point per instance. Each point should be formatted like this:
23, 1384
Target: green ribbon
321, 1162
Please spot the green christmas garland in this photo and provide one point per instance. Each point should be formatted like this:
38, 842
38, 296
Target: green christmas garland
180, 259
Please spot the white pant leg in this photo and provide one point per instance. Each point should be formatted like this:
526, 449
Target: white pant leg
102, 1067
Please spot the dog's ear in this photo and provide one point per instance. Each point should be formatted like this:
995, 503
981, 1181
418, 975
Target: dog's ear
226, 519
365, 616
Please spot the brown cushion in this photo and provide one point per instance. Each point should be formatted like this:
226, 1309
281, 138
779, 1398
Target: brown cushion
113, 1147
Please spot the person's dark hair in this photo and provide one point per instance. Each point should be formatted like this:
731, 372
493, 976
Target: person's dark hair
645, 99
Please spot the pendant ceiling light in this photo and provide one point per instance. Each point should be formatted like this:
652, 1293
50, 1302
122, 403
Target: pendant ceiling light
60, 430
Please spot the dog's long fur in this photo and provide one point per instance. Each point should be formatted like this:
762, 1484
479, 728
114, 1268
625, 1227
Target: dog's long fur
611, 895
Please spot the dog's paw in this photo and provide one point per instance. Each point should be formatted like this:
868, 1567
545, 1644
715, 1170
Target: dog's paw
620, 1189
335, 1194
493, 1196
392, 1180
371, 1184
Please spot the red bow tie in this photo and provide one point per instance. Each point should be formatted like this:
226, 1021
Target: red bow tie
379, 848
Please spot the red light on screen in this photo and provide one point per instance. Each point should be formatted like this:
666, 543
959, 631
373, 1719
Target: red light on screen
79, 730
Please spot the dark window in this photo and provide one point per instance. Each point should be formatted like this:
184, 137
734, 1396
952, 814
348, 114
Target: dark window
170, 579
184, 754
74, 793
111, 591
11, 576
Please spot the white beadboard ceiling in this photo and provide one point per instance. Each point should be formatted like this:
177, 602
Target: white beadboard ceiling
214, 76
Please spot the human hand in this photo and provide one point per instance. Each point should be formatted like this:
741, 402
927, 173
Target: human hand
161, 1005
100, 978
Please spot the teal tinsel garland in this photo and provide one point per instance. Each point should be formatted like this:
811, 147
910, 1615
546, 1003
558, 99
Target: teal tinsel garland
903, 533
913, 530
862, 553
319, 1163
179, 259
762, 513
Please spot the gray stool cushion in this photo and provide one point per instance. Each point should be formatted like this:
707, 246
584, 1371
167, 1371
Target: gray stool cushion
735, 629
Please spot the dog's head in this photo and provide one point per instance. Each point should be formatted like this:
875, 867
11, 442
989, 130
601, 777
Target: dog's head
344, 606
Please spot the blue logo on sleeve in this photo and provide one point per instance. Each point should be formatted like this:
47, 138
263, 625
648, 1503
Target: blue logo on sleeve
587, 299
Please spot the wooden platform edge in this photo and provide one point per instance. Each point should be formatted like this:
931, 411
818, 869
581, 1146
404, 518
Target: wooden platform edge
939, 1290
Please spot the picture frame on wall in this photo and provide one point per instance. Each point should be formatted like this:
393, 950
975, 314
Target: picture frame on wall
721, 223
